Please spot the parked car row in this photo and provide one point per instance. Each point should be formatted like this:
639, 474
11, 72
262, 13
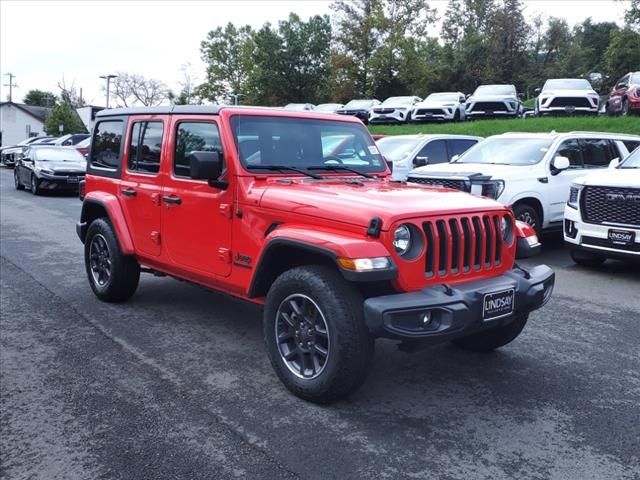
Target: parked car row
10, 155
49, 168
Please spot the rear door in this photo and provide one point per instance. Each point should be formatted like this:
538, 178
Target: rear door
141, 186
196, 218
555, 188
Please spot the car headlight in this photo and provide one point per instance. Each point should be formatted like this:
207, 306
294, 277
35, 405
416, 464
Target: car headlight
402, 239
46, 170
506, 228
574, 195
493, 189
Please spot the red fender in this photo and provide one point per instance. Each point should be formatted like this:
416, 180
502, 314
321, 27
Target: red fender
114, 210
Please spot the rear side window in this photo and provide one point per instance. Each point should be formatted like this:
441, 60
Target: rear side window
458, 147
435, 151
630, 145
571, 149
597, 153
194, 137
105, 151
145, 147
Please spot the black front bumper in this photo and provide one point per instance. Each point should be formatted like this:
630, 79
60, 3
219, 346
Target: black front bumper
59, 182
456, 312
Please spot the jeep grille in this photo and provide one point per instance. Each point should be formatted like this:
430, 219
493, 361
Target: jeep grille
462, 245
611, 205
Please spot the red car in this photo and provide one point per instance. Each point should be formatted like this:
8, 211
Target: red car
255, 203
624, 97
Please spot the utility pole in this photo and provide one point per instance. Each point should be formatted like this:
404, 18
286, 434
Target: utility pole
236, 97
10, 85
108, 79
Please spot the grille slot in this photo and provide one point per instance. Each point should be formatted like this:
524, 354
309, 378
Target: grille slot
433, 111
570, 102
611, 205
491, 106
462, 245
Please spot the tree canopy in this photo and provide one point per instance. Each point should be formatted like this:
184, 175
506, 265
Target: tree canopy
63, 114
40, 98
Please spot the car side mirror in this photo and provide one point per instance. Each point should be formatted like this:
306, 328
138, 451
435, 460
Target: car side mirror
614, 163
559, 164
207, 166
537, 91
467, 96
420, 161
454, 158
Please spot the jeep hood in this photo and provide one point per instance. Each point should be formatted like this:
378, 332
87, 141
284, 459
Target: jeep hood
465, 169
353, 204
613, 177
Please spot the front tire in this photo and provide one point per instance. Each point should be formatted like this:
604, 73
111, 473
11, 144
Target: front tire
35, 189
113, 276
489, 340
586, 259
315, 334
16, 180
528, 214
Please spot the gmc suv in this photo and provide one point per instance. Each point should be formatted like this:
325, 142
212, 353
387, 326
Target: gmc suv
252, 203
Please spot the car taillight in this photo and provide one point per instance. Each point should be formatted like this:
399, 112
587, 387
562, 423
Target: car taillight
81, 189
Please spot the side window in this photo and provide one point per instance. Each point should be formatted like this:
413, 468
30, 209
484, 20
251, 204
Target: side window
597, 153
458, 147
571, 149
145, 147
435, 151
194, 137
105, 151
631, 145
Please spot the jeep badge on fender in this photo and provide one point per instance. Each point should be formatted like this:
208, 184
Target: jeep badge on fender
335, 252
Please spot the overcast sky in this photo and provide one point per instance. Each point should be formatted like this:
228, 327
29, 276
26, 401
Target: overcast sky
40, 42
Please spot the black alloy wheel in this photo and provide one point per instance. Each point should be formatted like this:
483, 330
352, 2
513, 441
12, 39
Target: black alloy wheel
100, 260
34, 185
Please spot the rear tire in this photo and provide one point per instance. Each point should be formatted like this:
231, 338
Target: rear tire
113, 276
16, 180
489, 340
315, 334
586, 259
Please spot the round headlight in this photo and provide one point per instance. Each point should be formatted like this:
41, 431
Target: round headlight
506, 228
402, 239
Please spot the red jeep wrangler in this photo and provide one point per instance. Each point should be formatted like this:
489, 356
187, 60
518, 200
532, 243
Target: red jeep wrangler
296, 211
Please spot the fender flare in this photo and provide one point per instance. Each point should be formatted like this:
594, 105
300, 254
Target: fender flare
114, 211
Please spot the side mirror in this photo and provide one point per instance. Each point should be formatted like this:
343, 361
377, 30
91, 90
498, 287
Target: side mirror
467, 96
614, 163
207, 166
537, 91
559, 164
454, 158
420, 161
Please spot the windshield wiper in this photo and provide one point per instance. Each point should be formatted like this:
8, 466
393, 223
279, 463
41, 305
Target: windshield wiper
335, 168
283, 167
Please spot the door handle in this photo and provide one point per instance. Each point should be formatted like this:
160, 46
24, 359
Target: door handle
172, 200
129, 192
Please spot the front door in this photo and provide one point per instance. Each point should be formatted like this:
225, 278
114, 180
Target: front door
196, 218
140, 190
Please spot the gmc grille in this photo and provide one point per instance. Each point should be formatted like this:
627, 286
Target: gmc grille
490, 106
570, 102
443, 182
462, 245
611, 205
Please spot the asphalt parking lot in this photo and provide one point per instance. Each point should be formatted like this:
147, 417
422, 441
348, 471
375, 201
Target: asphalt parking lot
176, 382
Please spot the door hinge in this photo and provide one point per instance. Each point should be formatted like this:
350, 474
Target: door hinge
225, 255
225, 209
155, 237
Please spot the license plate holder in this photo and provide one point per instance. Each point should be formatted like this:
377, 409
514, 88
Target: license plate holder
621, 237
72, 180
498, 304
570, 109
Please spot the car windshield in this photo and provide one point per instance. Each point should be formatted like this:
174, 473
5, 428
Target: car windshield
444, 97
359, 104
397, 148
58, 155
567, 84
303, 142
632, 161
635, 78
495, 90
398, 101
507, 151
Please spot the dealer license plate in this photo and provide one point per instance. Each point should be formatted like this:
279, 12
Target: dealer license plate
621, 237
498, 304
72, 179
570, 109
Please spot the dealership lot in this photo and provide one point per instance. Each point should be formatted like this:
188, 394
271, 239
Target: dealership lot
176, 382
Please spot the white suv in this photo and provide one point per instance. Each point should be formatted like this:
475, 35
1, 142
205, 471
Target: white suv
602, 215
393, 110
567, 95
530, 171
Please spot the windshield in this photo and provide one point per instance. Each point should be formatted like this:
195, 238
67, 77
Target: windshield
359, 104
444, 97
632, 161
495, 90
58, 155
567, 84
395, 148
304, 142
398, 101
635, 78
507, 151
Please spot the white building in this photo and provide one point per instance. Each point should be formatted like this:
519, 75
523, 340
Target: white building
88, 116
19, 121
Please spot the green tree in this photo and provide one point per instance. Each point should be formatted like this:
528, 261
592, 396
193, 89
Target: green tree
227, 52
40, 98
623, 53
63, 114
632, 15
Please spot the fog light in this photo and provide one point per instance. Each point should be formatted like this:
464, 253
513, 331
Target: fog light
426, 318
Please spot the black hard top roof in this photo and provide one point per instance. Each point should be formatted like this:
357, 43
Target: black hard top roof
162, 110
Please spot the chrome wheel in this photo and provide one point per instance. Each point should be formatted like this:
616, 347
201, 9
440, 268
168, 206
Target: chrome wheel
100, 260
527, 218
302, 336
